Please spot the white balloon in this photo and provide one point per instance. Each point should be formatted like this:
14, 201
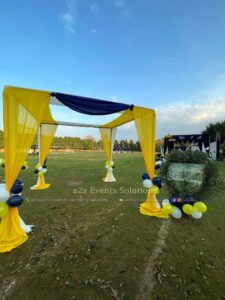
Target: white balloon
165, 201
44, 170
147, 183
196, 214
40, 169
177, 214
2, 186
4, 194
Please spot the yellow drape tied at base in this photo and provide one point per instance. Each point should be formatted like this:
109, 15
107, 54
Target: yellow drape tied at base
11, 235
23, 111
47, 133
145, 124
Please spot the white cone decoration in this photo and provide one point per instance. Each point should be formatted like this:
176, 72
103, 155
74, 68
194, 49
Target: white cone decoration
4, 194
147, 183
109, 176
177, 214
26, 228
196, 215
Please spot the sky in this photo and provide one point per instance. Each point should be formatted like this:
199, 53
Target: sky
167, 55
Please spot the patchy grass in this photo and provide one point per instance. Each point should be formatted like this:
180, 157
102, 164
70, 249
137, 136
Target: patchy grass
91, 242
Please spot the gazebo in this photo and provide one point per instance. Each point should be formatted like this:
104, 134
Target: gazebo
26, 114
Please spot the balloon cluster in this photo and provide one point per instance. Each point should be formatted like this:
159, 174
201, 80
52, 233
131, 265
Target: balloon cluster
12, 199
176, 206
110, 165
39, 169
24, 166
196, 210
153, 185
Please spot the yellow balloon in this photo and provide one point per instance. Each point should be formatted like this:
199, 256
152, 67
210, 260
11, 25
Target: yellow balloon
154, 190
200, 207
168, 208
37, 166
188, 209
3, 209
40, 173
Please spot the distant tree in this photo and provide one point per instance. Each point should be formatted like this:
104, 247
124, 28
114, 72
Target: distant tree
131, 145
215, 129
122, 145
138, 146
116, 145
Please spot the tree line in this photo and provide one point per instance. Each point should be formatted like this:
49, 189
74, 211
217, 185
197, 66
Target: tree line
88, 143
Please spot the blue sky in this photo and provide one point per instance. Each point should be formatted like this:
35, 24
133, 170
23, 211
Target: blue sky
167, 55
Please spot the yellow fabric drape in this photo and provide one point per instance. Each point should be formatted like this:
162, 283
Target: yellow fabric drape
106, 135
145, 124
23, 110
46, 138
47, 133
124, 118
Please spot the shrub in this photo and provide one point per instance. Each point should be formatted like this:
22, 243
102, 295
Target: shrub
182, 188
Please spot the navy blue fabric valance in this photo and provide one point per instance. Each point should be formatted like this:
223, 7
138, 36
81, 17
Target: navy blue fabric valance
91, 106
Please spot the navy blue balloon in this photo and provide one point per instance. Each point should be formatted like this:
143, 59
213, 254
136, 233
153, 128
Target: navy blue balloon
157, 167
44, 166
157, 181
173, 200
3, 165
188, 199
18, 181
15, 201
36, 171
16, 188
145, 176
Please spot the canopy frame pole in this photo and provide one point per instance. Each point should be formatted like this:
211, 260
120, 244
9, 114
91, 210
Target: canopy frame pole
75, 124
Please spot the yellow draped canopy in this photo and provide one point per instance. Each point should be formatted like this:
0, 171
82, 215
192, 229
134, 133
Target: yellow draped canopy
24, 111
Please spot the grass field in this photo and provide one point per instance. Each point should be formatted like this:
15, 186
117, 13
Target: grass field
91, 242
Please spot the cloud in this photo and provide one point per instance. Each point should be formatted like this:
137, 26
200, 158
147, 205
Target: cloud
68, 17
94, 8
188, 118
122, 6
68, 22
